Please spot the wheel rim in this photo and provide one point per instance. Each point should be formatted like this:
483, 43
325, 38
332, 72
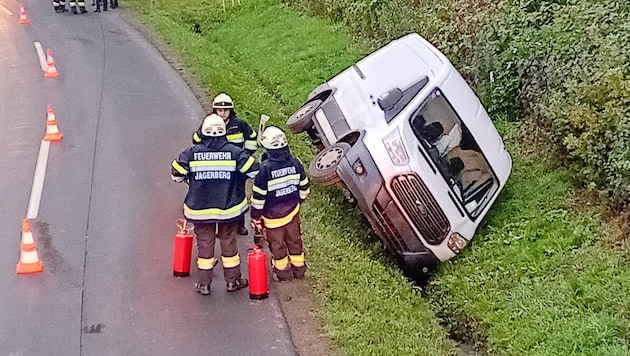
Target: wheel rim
329, 159
300, 113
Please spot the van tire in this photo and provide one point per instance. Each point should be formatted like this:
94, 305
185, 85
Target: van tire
302, 119
323, 168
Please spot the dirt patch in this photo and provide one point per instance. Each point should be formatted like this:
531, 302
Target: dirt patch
300, 313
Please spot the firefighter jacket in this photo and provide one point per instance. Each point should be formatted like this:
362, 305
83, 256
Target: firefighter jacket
214, 170
238, 132
279, 188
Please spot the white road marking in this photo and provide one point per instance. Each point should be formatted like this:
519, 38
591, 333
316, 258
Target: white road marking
41, 55
38, 181
5, 10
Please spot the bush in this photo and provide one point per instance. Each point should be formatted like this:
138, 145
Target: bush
561, 66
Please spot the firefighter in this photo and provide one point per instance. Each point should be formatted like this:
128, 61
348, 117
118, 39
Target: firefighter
98, 5
73, 6
238, 132
279, 189
215, 202
59, 5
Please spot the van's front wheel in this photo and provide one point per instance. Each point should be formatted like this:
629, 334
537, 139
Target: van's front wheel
323, 168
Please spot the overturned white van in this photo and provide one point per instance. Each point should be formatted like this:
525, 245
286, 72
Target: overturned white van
404, 133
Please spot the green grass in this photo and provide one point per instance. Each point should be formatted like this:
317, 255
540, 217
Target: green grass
534, 281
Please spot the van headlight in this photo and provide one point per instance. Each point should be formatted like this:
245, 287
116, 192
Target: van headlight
456, 242
396, 149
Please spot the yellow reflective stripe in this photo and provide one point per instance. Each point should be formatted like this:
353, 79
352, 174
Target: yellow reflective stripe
216, 213
198, 166
283, 181
236, 138
297, 260
281, 264
304, 181
258, 203
251, 145
179, 168
205, 263
248, 164
273, 223
231, 262
304, 193
196, 137
258, 190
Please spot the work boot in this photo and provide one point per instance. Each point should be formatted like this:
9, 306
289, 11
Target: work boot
277, 278
299, 272
282, 275
74, 9
242, 230
203, 289
237, 284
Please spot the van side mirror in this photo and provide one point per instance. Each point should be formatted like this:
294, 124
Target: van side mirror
389, 99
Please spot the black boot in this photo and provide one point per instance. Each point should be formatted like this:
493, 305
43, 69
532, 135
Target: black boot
242, 230
203, 289
73, 9
237, 284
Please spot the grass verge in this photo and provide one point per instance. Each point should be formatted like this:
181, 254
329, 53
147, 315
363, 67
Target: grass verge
535, 279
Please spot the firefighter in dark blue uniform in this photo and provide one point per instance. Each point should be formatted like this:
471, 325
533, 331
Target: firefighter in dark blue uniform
215, 202
238, 132
279, 189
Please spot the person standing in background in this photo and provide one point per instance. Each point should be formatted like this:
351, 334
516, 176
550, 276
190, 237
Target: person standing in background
238, 132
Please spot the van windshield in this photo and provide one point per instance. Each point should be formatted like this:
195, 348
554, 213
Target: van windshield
454, 151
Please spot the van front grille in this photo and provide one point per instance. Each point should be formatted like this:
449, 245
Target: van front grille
390, 234
421, 207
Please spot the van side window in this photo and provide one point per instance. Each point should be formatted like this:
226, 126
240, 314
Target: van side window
455, 152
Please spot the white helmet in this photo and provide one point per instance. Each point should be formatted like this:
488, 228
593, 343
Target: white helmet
222, 101
213, 126
273, 138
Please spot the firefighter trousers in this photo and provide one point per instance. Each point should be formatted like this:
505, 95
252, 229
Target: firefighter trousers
287, 250
207, 233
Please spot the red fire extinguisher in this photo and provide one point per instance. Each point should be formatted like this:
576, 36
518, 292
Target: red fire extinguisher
257, 268
182, 251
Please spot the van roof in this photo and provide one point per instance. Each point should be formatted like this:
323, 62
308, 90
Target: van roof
402, 63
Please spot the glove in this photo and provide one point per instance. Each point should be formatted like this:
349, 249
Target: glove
257, 224
177, 179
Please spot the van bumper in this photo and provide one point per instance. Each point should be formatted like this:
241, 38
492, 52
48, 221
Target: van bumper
380, 209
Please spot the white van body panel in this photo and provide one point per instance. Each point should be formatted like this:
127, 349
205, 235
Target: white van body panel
408, 201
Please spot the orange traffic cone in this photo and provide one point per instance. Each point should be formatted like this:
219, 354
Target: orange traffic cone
29, 261
51, 70
52, 131
23, 19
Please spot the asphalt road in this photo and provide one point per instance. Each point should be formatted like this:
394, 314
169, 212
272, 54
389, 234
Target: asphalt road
105, 223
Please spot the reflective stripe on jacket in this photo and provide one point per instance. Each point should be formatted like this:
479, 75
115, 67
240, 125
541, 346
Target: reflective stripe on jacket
215, 170
238, 133
279, 188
